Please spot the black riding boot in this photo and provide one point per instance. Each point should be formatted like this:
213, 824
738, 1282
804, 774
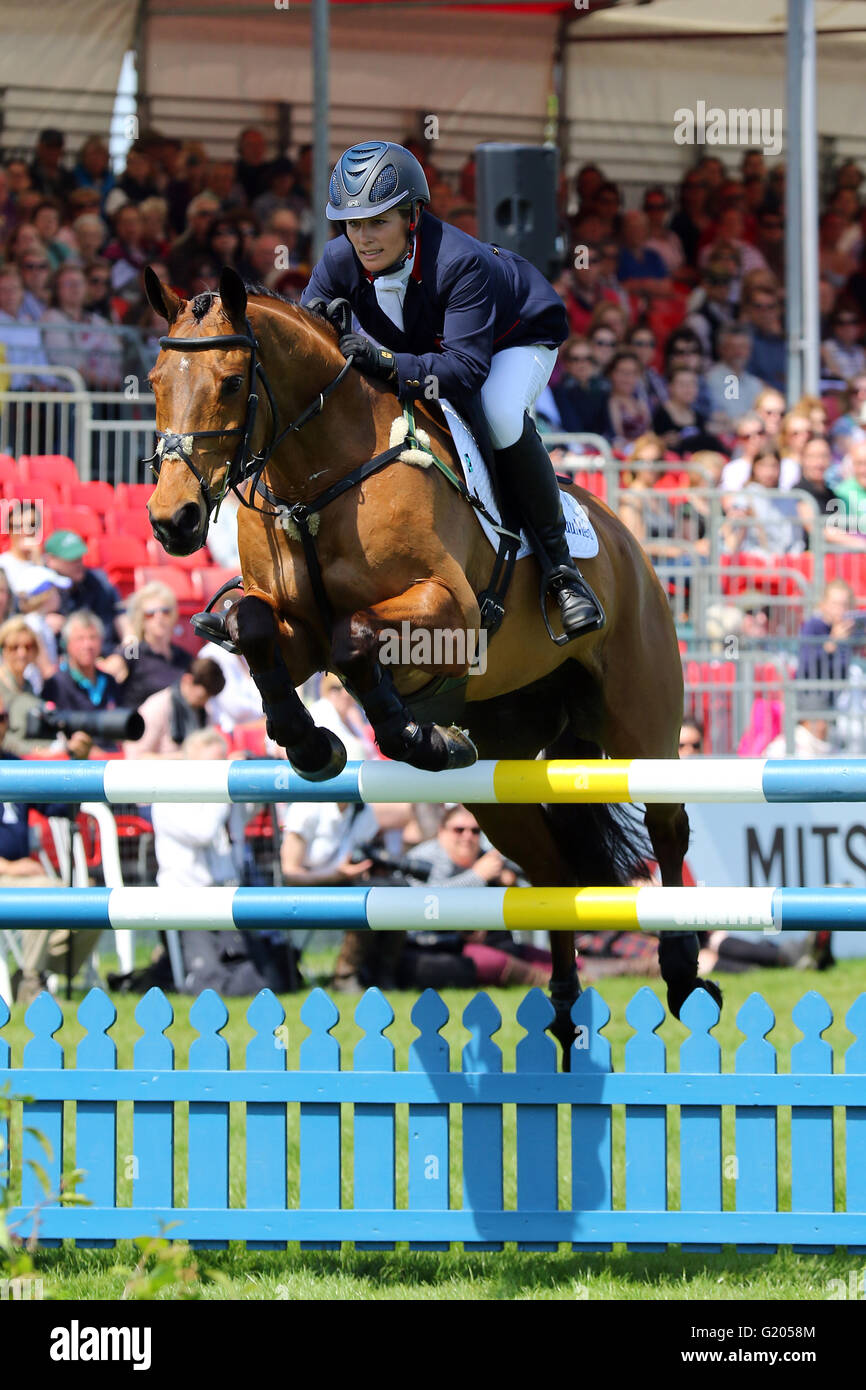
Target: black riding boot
528, 482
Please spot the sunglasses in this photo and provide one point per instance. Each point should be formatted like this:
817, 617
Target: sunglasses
464, 829
152, 612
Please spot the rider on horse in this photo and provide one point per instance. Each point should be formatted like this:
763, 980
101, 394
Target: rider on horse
477, 320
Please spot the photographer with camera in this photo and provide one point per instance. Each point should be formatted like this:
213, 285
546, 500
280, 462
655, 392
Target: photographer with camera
332, 843
441, 960
19, 648
40, 950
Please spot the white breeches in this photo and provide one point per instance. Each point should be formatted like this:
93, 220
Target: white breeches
517, 377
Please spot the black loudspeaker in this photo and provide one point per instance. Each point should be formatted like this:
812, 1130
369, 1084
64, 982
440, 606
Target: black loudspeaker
516, 197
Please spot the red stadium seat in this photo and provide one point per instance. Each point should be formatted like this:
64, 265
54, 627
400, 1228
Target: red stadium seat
93, 554
250, 738
49, 468
81, 520
849, 565
129, 523
99, 496
210, 578
121, 557
714, 704
178, 580
33, 490
133, 496
8, 470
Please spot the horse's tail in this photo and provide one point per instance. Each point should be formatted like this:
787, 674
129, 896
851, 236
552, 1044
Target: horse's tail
605, 845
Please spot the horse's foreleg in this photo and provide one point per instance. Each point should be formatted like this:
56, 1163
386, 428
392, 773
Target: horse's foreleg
429, 621
314, 753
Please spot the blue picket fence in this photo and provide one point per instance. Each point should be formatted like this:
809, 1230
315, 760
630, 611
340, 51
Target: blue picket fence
426, 1210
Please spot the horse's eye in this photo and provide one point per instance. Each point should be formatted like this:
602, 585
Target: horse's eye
232, 385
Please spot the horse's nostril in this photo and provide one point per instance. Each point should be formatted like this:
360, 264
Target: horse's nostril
186, 519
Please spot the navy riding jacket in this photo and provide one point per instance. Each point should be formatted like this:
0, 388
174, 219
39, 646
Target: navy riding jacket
465, 301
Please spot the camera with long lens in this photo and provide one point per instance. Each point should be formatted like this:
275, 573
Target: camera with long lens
103, 725
396, 872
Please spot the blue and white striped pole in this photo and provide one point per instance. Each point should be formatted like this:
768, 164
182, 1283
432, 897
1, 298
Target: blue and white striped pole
441, 909
743, 780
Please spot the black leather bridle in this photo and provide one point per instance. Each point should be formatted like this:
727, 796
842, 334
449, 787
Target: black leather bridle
245, 465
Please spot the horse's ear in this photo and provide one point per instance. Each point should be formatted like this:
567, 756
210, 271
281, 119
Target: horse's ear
161, 297
234, 297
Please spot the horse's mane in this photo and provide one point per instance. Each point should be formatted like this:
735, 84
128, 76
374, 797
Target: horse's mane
202, 304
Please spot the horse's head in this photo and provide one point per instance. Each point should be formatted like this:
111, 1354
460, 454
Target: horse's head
202, 383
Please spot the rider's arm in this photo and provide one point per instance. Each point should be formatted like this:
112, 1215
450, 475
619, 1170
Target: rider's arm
462, 364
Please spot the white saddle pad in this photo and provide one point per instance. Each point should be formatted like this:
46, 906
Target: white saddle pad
582, 539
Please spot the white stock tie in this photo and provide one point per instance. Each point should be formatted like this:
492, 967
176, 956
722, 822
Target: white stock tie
391, 291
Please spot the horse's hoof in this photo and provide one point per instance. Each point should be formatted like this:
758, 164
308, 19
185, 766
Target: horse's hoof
440, 750
332, 767
459, 748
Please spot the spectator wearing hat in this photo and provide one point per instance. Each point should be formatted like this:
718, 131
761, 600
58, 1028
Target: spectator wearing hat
90, 589
47, 175
170, 715
22, 562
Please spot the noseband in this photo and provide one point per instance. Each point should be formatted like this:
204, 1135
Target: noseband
245, 464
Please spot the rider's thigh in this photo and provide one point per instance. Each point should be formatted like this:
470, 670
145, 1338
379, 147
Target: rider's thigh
517, 377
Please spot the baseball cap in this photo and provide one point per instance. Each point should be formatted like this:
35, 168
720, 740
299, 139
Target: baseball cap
65, 545
36, 579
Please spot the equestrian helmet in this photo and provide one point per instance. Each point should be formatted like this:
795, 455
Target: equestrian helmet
372, 178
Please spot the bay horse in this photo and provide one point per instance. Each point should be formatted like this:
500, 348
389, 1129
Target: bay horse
336, 547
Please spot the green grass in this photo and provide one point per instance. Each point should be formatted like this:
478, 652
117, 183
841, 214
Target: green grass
349, 1274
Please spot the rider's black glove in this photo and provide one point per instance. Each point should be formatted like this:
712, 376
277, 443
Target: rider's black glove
369, 359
